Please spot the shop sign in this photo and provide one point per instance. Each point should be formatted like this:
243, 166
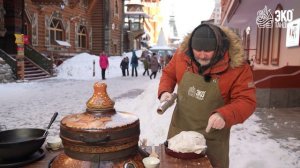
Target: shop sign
292, 33
19, 38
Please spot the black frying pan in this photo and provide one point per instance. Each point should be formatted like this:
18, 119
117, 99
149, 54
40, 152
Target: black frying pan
21, 143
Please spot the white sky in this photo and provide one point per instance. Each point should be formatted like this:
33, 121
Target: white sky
31, 104
188, 13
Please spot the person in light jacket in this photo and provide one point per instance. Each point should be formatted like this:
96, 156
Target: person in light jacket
215, 88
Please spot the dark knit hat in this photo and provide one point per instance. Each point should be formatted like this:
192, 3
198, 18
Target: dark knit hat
203, 38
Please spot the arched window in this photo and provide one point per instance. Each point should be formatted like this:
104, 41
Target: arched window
85, 3
258, 45
246, 41
27, 30
82, 37
275, 44
263, 45
56, 31
266, 45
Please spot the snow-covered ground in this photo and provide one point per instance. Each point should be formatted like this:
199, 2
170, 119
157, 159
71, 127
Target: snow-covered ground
31, 104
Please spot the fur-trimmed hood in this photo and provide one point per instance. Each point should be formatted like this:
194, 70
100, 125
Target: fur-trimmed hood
236, 51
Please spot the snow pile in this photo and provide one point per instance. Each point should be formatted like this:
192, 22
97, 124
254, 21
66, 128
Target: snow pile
81, 67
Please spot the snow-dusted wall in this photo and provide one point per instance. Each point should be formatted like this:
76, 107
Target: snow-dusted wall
6, 74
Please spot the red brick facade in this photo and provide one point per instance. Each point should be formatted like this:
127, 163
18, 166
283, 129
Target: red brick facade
87, 25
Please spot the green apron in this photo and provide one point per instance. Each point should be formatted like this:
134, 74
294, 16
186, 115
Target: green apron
196, 100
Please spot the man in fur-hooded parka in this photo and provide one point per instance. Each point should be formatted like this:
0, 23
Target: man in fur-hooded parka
215, 88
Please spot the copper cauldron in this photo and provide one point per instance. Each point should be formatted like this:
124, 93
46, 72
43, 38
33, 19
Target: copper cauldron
99, 137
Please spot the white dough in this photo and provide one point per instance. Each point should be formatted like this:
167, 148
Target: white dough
187, 142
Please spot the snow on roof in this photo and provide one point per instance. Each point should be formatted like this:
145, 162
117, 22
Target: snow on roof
63, 43
157, 47
136, 14
161, 41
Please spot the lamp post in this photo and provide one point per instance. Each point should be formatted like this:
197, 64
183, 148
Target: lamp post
93, 68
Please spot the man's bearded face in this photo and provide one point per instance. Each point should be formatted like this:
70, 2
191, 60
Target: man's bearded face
203, 57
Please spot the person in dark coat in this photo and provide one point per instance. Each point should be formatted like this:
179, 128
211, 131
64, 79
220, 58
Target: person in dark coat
161, 62
154, 66
127, 67
134, 64
167, 59
124, 66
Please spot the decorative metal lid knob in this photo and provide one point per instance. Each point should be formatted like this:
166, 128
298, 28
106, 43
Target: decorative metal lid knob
100, 101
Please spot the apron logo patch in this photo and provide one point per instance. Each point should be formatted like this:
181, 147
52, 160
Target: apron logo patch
196, 93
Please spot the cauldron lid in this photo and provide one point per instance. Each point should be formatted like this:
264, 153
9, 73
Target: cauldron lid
100, 113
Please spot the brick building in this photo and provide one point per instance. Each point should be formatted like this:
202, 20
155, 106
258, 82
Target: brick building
271, 43
58, 29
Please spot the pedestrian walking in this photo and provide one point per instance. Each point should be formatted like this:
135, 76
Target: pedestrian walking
124, 66
134, 64
168, 59
146, 62
161, 62
154, 66
103, 63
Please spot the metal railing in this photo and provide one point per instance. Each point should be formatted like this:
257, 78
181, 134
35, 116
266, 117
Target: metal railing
39, 59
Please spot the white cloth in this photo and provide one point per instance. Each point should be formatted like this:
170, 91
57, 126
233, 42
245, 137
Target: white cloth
187, 142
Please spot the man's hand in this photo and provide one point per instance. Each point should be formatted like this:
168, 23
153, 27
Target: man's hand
215, 121
165, 96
